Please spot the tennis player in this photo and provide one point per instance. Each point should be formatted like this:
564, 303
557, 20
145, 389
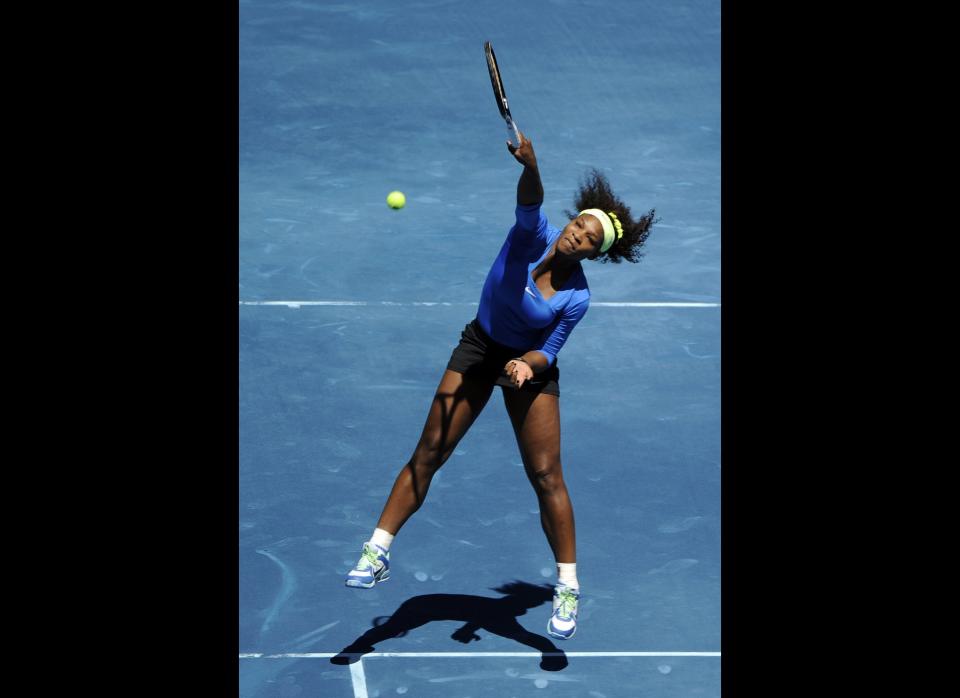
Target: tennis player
534, 295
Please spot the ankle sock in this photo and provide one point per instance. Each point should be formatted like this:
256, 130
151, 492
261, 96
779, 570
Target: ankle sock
567, 574
381, 538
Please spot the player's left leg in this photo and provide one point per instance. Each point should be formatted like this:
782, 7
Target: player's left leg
536, 424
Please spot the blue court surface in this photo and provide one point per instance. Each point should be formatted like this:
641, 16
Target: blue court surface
349, 310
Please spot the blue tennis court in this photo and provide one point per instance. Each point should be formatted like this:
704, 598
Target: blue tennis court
349, 311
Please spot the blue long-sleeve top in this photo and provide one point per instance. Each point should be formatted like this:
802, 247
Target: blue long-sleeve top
512, 309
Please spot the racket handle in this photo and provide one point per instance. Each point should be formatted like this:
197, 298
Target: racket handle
513, 132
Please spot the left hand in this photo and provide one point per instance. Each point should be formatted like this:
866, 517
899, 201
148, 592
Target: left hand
518, 371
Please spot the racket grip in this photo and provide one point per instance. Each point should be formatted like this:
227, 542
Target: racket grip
513, 132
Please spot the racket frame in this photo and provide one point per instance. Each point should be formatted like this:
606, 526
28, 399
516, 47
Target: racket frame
500, 94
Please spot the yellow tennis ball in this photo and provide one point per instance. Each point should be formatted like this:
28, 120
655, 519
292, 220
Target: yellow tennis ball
396, 199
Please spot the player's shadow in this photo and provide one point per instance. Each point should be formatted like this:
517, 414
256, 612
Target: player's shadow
497, 616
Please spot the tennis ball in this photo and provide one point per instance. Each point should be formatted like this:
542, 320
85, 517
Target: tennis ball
396, 199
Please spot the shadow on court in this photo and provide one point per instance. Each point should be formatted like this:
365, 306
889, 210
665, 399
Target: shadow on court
497, 616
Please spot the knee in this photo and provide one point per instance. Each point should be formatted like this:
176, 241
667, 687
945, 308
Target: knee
547, 477
429, 455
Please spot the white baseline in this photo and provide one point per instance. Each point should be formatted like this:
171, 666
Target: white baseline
601, 304
326, 655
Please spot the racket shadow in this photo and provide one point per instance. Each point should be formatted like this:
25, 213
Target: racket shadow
497, 616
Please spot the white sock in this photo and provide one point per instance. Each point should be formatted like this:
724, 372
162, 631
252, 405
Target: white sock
381, 538
567, 574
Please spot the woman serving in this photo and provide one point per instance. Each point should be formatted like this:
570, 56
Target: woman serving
534, 295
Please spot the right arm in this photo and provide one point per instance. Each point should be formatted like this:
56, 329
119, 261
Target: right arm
530, 233
529, 188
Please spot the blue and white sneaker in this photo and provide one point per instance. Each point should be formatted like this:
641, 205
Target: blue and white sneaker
373, 567
563, 622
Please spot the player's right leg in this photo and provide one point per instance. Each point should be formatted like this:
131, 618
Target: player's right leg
458, 401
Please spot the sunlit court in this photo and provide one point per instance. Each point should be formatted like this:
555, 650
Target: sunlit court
479, 391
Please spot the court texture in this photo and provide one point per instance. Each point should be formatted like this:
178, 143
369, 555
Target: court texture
349, 310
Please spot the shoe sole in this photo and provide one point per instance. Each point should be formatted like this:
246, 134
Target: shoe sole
360, 585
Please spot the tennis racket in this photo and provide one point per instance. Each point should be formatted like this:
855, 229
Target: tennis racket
512, 130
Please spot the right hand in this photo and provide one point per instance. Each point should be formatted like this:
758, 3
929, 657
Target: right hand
524, 152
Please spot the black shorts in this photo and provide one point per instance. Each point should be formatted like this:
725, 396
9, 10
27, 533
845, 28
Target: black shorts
479, 355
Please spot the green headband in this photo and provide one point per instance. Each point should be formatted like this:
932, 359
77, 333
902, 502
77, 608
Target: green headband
612, 230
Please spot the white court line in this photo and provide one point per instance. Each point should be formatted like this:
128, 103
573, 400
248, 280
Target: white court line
326, 655
602, 304
359, 680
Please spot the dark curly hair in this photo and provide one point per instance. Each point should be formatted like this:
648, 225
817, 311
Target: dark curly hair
595, 192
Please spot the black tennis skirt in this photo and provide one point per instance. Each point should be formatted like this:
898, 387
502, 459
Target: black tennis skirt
479, 355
